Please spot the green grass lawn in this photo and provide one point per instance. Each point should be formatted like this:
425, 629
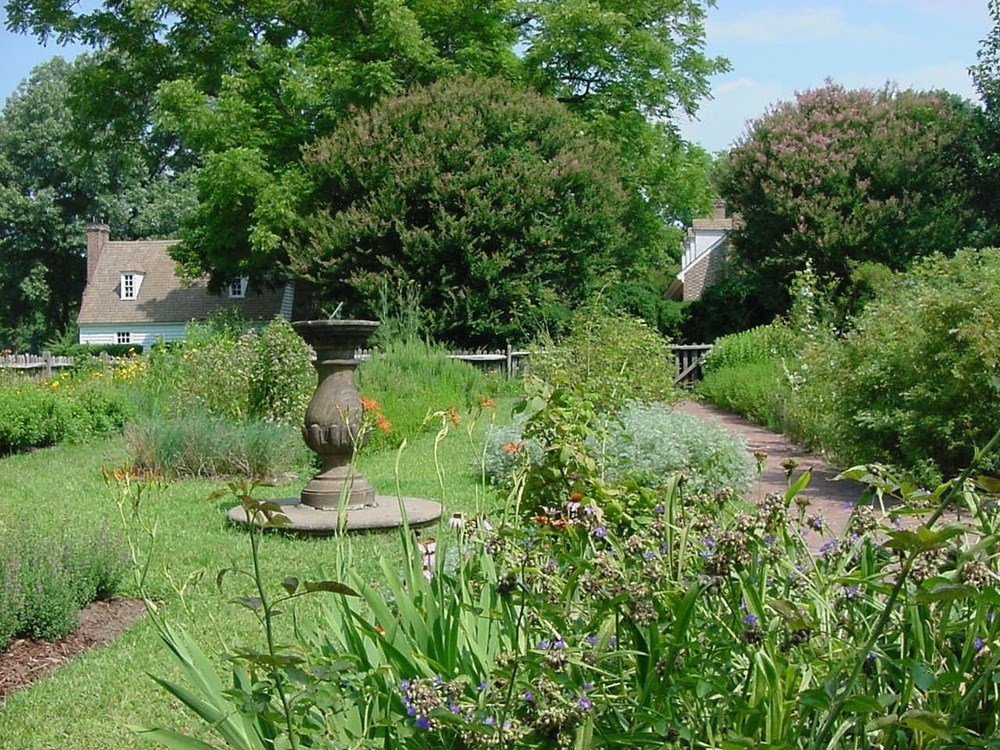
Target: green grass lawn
92, 702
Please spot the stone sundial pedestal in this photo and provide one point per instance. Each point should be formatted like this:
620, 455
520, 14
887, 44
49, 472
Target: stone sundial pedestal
332, 425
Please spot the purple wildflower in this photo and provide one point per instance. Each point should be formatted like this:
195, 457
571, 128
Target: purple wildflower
584, 703
829, 547
750, 619
600, 532
422, 722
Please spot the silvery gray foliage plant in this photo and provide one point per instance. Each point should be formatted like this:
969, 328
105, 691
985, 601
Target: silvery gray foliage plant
646, 442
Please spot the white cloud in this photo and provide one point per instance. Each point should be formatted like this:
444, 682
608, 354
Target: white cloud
952, 76
735, 103
966, 9
797, 25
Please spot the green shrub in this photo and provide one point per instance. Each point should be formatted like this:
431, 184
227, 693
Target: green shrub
644, 444
613, 358
46, 580
411, 379
30, 417
77, 406
227, 371
649, 442
281, 377
915, 382
202, 445
754, 346
756, 390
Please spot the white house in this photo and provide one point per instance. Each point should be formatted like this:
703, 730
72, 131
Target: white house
704, 249
134, 296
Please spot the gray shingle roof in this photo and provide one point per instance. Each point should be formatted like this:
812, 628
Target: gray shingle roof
163, 297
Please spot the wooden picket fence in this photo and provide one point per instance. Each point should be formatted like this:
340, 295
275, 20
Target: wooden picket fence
34, 365
509, 361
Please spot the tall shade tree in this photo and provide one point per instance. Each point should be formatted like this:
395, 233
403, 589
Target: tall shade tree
248, 83
489, 200
841, 179
49, 187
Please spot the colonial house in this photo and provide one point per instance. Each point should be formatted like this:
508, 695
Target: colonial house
704, 249
134, 296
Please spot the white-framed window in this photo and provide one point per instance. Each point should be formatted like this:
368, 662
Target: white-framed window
123, 337
129, 285
238, 287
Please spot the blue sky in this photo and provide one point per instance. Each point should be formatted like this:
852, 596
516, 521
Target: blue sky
776, 47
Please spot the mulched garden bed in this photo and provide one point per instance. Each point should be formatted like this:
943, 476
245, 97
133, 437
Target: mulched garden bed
25, 661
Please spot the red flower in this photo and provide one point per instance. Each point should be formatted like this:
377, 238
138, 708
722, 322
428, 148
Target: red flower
513, 446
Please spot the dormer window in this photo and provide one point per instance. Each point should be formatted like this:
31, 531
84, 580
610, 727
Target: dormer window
238, 287
129, 285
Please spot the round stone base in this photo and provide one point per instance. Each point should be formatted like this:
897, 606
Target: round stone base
384, 513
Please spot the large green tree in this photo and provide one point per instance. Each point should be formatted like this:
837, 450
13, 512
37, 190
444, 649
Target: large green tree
489, 200
49, 187
842, 179
247, 83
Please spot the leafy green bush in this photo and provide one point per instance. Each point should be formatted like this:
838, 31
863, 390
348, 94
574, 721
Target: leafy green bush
760, 344
649, 442
756, 390
613, 358
410, 380
46, 580
74, 407
644, 444
227, 371
915, 382
495, 201
202, 445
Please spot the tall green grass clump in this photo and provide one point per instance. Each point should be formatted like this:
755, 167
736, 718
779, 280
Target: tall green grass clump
412, 379
225, 401
201, 445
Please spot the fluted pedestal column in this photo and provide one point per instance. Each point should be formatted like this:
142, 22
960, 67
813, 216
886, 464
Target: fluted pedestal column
332, 428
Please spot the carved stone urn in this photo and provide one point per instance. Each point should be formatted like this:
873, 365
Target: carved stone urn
332, 427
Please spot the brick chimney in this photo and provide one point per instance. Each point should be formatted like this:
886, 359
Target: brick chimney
720, 208
98, 235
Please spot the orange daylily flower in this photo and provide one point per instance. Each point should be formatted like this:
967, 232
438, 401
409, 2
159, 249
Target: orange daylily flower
513, 446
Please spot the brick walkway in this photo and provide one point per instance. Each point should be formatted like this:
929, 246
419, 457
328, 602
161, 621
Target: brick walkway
830, 499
